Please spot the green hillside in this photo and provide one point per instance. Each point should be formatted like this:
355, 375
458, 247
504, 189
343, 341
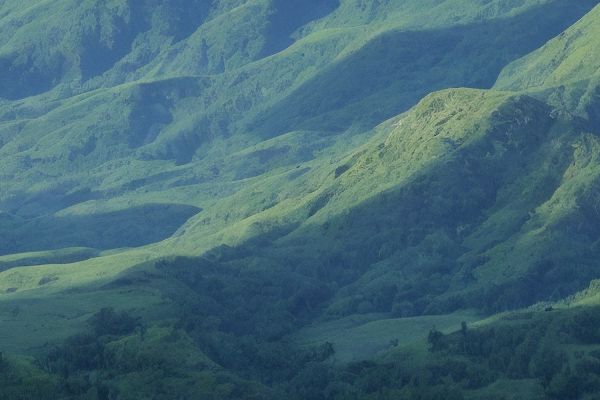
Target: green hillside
564, 72
99, 145
567, 59
265, 199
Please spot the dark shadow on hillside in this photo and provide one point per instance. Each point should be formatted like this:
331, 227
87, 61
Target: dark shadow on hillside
66, 256
405, 246
179, 19
274, 283
390, 73
132, 227
29, 74
289, 16
402, 252
19, 80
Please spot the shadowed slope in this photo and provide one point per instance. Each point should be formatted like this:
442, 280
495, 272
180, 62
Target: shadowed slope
194, 140
570, 57
385, 75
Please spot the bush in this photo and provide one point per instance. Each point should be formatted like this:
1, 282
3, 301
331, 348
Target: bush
109, 322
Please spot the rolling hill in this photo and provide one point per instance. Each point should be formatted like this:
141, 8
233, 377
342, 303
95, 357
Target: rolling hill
257, 199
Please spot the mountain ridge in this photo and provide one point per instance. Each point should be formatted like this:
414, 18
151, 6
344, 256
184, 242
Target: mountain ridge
275, 230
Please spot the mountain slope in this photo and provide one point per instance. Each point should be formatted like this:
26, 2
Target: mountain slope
568, 58
270, 205
93, 151
564, 71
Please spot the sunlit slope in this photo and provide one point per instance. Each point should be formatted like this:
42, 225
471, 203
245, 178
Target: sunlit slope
163, 124
470, 194
463, 150
254, 234
384, 82
272, 211
565, 71
480, 199
72, 46
570, 57
490, 206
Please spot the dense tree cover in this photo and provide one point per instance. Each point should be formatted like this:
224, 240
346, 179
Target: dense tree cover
217, 352
558, 348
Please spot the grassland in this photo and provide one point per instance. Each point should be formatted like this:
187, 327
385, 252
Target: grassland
267, 177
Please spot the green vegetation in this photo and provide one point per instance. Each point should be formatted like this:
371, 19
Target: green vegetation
267, 199
550, 354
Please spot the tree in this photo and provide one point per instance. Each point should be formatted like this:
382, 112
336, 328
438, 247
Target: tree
435, 339
546, 363
109, 322
403, 309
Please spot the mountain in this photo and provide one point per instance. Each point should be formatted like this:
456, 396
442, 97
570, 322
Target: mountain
103, 141
567, 59
564, 71
257, 199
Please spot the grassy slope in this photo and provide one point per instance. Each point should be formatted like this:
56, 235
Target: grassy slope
98, 151
397, 162
564, 72
364, 337
568, 58
453, 142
